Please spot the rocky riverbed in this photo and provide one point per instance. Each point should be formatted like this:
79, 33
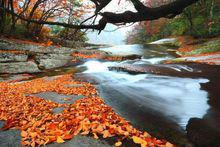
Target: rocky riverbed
136, 78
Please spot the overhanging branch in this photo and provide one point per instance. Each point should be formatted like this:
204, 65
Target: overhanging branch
143, 13
99, 26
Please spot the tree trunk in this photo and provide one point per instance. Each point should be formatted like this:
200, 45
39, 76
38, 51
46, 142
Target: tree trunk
12, 30
211, 15
3, 16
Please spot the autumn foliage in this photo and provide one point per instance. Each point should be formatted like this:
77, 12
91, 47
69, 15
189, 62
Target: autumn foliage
87, 116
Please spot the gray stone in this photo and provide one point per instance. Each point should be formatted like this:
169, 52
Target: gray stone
74, 85
11, 45
10, 138
58, 98
51, 78
1, 124
19, 67
16, 77
58, 110
51, 63
54, 56
81, 141
10, 57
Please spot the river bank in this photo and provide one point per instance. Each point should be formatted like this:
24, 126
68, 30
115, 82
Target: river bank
204, 50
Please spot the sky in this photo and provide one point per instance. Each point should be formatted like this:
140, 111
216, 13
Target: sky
108, 36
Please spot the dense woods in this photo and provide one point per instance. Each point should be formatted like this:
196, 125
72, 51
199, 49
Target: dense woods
198, 20
66, 11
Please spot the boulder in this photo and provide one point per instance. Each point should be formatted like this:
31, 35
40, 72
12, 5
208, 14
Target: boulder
11, 57
19, 67
51, 63
201, 133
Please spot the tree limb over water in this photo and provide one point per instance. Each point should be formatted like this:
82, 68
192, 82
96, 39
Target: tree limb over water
143, 13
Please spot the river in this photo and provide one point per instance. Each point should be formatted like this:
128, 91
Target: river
160, 104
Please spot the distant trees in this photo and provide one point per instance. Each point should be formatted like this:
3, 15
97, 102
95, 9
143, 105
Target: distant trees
12, 11
199, 20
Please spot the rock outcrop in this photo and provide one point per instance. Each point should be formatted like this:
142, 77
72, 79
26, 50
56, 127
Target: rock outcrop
201, 133
19, 67
31, 58
11, 57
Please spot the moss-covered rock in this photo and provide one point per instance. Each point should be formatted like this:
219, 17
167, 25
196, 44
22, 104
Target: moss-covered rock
208, 47
170, 42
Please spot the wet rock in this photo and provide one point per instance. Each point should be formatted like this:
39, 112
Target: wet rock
179, 70
59, 98
81, 141
1, 124
10, 138
58, 110
201, 133
131, 57
10, 57
19, 67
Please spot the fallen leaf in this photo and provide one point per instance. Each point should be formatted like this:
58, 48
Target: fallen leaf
33, 135
137, 140
85, 133
60, 140
106, 134
68, 136
24, 134
168, 144
119, 143
95, 136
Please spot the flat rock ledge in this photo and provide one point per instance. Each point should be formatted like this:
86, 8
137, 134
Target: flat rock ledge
19, 67
27, 58
9, 138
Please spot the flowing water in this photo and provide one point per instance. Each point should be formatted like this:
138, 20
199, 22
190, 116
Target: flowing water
176, 98
157, 103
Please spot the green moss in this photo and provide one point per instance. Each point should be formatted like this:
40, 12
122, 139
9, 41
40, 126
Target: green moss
209, 47
177, 60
